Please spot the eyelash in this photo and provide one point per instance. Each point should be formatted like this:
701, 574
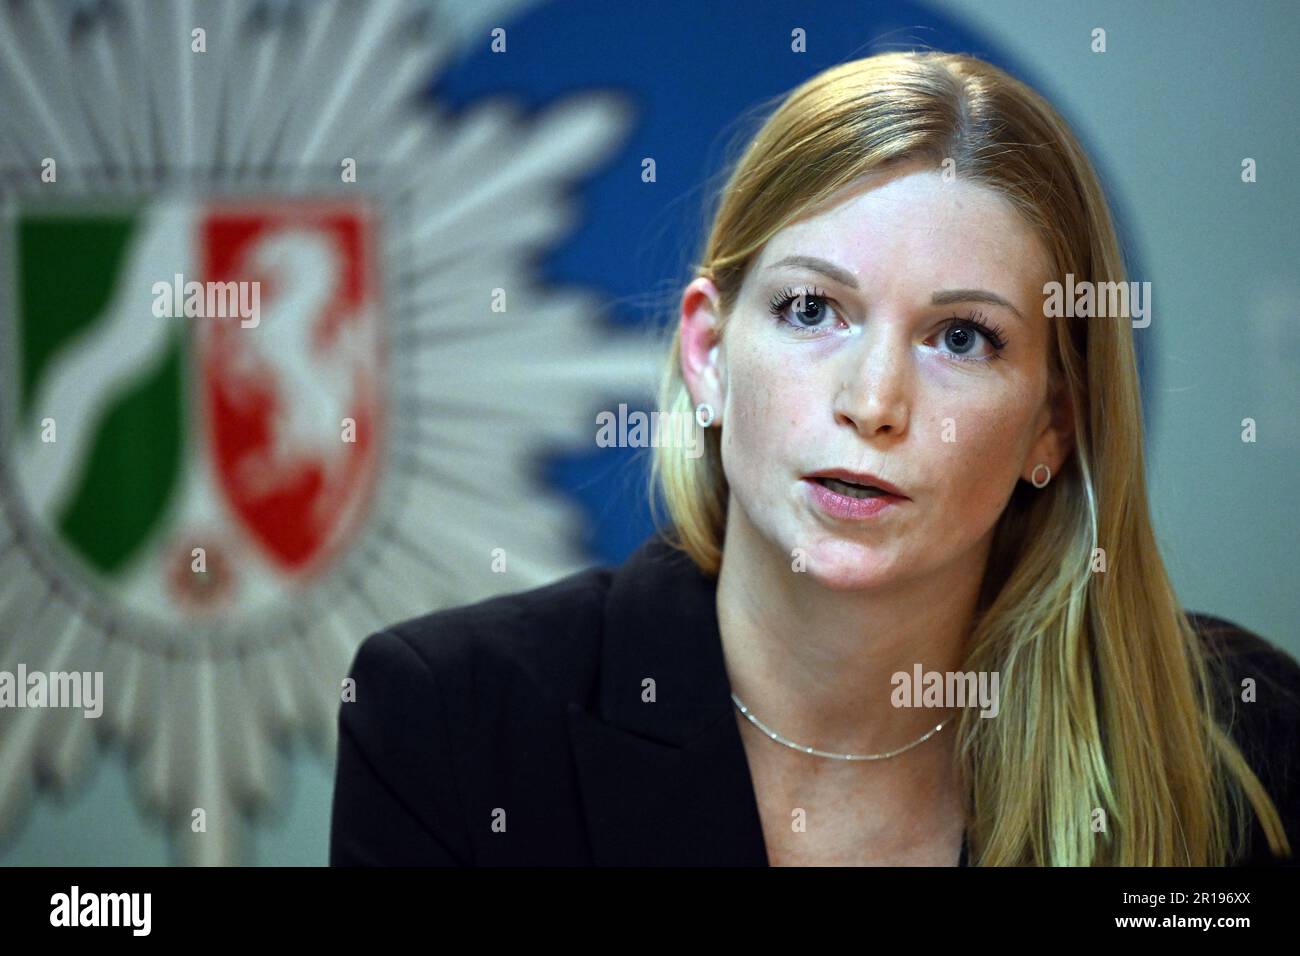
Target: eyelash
992, 332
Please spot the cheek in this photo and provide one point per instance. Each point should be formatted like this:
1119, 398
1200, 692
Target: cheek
768, 404
981, 460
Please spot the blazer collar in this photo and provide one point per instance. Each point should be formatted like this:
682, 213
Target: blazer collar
664, 780
661, 623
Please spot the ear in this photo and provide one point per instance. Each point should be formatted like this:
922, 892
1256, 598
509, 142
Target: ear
1055, 438
702, 355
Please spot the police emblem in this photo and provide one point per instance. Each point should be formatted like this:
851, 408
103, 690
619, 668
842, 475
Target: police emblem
275, 370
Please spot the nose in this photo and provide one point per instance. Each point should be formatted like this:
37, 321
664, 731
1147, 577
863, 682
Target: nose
874, 396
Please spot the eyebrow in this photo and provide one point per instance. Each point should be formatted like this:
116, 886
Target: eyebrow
846, 278
842, 276
952, 296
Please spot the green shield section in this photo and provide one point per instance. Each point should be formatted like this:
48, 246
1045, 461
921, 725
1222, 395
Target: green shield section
68, 267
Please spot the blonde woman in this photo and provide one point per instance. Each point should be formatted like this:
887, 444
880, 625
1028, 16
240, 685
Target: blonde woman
912, 472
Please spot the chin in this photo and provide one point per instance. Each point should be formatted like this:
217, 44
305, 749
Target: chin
850, 567
850, 580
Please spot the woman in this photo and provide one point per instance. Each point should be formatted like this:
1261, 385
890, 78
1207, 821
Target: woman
911, 467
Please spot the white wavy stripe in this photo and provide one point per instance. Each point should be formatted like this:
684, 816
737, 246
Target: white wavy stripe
108, 359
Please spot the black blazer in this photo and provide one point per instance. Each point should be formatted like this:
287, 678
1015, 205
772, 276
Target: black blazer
526, 709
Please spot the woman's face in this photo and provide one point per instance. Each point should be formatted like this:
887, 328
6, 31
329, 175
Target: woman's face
898, 362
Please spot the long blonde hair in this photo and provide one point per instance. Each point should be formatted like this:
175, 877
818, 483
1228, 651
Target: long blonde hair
1108, 700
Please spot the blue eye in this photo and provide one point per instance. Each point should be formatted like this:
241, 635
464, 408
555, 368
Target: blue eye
812, 308
959, 337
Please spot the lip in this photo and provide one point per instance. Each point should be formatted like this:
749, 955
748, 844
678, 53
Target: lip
858, 477
836, 505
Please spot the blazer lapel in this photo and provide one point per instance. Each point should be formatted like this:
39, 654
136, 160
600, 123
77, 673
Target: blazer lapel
664, 780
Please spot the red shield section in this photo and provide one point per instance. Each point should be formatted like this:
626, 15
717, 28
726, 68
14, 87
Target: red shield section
291, 395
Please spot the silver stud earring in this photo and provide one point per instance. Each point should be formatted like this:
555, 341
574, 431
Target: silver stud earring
1033, 476
704, 414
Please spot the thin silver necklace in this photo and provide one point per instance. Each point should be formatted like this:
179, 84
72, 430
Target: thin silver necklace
824, 753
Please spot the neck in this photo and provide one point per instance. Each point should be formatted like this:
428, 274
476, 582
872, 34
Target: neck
815, 664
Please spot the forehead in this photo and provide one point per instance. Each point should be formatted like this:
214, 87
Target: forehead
912, 227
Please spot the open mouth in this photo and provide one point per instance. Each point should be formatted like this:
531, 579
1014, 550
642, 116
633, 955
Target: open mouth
850, 489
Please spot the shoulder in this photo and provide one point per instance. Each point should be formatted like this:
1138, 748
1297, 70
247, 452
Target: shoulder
1257, 684
547, 637
1257, 698
1237, 655
437, 705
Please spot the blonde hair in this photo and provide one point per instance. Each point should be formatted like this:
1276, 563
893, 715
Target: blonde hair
1108, 699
